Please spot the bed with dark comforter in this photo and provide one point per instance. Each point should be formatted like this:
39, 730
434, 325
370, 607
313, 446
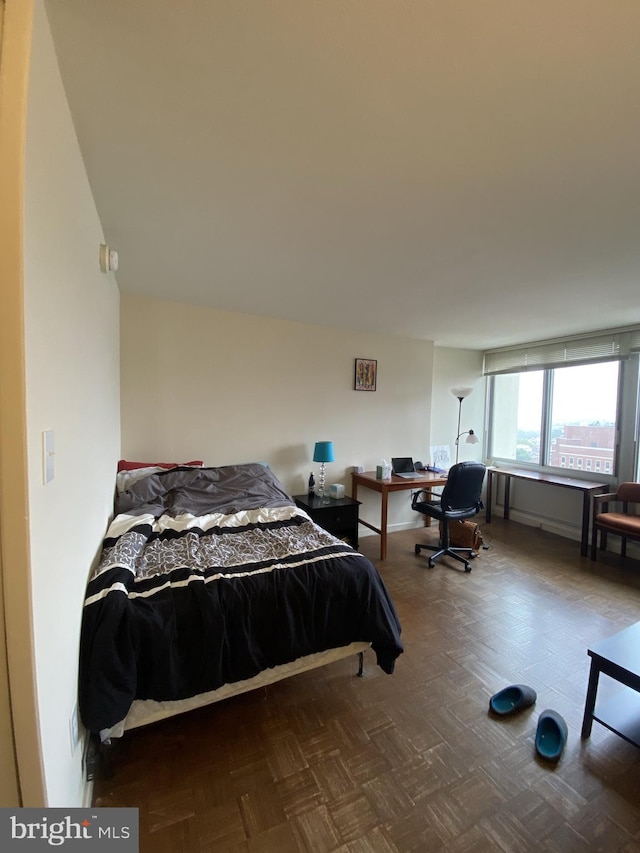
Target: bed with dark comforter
211, 576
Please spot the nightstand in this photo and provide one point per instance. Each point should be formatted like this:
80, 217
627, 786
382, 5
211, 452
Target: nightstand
339, 516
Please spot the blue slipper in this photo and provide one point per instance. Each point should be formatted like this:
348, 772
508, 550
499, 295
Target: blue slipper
551, 735
512, 698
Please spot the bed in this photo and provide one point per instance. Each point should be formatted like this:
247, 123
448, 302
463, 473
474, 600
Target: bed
211, 582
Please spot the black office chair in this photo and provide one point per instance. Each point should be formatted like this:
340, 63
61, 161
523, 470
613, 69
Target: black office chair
460, 499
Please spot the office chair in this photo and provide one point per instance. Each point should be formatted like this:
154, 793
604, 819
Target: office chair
460, 499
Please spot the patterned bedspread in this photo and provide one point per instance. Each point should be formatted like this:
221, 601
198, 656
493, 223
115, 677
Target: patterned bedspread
185, 601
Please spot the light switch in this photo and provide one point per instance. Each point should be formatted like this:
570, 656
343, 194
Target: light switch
48, 456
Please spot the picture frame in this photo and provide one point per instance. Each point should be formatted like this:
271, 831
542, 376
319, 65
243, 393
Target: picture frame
440, 456
365, 374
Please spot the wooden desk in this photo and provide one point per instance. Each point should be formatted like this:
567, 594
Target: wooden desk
368, 480
587, 488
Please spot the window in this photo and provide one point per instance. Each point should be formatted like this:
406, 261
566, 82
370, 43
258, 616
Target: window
555, 417
553, 402
516, 421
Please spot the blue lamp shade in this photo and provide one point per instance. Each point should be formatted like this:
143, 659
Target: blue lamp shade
323, 452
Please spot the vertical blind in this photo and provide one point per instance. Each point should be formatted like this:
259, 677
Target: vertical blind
611, 345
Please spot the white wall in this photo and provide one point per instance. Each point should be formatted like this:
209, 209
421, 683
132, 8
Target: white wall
225, 387
72, 372
453, 367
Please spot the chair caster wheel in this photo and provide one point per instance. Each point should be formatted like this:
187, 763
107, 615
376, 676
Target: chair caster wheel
431, 563
418, 549
467, 568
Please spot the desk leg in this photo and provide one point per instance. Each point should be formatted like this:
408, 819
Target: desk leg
590, 703
489, 495
354, 495
507, 496
383, 525
586, 512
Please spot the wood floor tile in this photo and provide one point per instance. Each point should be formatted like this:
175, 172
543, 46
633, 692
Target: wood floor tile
300, 792
261, 809
315, 831
278, 839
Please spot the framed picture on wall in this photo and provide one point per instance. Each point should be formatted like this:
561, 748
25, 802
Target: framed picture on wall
366, 372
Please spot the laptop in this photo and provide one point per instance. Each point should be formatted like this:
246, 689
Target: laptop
402, 466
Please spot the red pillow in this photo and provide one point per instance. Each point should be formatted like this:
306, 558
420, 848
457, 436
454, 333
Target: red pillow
123, 465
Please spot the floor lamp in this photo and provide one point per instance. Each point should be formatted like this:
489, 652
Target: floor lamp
460, 392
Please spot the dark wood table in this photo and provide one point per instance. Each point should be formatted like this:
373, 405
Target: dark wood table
619, 658
587, 487
368, 480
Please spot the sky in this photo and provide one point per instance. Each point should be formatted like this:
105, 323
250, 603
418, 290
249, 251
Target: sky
581, 395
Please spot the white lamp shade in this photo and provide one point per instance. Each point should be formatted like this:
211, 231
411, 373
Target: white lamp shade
461, 391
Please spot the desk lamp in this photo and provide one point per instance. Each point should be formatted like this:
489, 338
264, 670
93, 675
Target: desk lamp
323, 453
460, 392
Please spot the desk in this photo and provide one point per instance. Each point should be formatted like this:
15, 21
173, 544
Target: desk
587, 488
368, 480
619, 658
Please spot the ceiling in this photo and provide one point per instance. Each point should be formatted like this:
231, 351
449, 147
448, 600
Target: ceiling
459, 171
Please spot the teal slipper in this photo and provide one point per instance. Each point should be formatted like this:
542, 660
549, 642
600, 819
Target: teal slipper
551, 735
512, 698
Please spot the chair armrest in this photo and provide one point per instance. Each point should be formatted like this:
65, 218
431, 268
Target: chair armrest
426, 492
599, 499
421, 496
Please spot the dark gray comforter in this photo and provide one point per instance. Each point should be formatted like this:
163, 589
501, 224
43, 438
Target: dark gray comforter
198, 491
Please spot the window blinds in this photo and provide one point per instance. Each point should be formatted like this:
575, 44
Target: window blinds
612, 345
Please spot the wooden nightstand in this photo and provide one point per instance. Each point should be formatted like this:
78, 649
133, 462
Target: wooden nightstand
338, 516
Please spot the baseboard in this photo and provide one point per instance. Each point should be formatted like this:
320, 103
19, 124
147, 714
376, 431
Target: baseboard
541, 522
549, 525
87, 796
363, 531
566, 530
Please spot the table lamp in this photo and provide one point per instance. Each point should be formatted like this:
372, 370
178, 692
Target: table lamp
323, 453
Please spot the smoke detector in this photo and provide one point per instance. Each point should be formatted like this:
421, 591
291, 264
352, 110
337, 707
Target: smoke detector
108, 259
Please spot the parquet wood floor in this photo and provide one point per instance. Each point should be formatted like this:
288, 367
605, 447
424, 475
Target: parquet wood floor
330, 763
